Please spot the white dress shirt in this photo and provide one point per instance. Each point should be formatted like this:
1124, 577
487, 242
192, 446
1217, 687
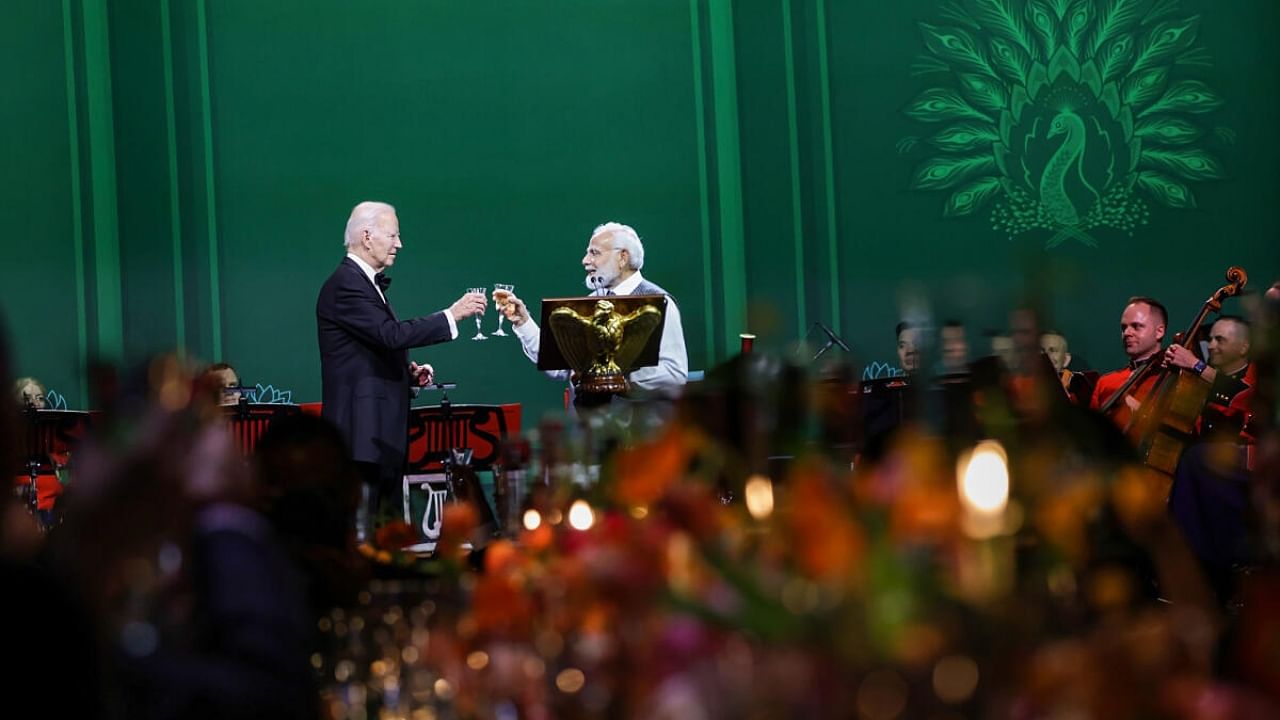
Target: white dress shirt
369, 272
672, 370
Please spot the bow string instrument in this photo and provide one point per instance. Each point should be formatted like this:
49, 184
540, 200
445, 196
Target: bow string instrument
1165, 420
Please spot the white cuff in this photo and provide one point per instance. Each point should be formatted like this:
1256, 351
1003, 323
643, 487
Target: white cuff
528, 330
453, 324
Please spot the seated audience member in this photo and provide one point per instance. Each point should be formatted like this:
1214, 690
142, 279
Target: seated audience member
308, 488
954, 345
1002, 347
222, 375
908, 345
164, 538
30, 393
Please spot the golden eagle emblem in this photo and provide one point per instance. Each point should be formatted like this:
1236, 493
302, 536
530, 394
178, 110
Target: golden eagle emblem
600, 345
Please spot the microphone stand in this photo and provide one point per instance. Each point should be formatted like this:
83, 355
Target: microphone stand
832, 339
446, 411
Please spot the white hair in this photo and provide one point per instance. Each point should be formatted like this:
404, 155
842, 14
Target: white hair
364, 217
624, 238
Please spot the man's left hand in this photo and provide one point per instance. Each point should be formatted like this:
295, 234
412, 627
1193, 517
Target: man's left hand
1180, 357
422, 374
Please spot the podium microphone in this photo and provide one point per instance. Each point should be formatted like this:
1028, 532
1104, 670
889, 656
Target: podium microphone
832, 339
416, 390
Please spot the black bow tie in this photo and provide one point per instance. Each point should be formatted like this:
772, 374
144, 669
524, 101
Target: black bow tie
382, 280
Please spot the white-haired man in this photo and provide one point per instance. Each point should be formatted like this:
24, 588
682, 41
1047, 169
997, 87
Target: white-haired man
364, 359
612, 264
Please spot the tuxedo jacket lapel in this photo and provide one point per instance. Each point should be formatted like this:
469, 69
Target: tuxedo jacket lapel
369, 288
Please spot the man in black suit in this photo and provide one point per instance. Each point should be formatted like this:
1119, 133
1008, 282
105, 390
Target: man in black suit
364, 360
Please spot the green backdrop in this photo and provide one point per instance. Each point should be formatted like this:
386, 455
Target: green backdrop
178, 172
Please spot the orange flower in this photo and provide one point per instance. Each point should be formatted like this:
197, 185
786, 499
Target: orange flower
460, 520
501, 556
827, 543
500, 606
1063, 518
645, 471
1139, 495
539, 538
693, 508
925, 513
395, 535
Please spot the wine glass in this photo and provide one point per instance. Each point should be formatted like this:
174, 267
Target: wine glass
479, 316
501, 292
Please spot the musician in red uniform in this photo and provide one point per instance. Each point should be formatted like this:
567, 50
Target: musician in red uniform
1142, 328
1210, 493
1077, 385
1228, 372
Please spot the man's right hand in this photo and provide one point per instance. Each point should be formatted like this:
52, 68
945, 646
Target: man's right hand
468, 305
514, 310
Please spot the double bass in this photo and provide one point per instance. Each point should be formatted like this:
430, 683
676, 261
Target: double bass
1165, 421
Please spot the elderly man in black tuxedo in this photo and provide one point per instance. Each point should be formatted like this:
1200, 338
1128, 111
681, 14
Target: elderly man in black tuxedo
364, 359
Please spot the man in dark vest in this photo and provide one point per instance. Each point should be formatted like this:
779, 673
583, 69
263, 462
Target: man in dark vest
364, 359
612, 265
1212, 484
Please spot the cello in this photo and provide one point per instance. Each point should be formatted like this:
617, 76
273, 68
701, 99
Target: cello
1166, 420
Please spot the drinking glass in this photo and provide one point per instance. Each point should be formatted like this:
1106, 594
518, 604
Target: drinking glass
479, 316
501, 291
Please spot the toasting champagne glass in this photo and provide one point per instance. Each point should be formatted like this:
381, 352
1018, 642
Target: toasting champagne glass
501, 293
479, 316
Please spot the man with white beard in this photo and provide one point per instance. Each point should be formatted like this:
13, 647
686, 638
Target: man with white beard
612, 264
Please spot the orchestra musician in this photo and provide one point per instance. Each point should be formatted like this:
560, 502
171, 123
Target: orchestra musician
1228, 371
1211, 484
1077, 385
1142, 330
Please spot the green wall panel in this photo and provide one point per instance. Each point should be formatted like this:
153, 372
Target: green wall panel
503, 135
43, 284
969, 270
179, 173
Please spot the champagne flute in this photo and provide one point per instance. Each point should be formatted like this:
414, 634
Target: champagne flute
479, 316
501, 292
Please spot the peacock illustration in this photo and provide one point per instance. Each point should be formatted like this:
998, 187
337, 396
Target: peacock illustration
1067, 115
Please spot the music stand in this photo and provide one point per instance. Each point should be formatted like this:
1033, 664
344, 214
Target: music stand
49, 434
886, 403
248, 421
448, 445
